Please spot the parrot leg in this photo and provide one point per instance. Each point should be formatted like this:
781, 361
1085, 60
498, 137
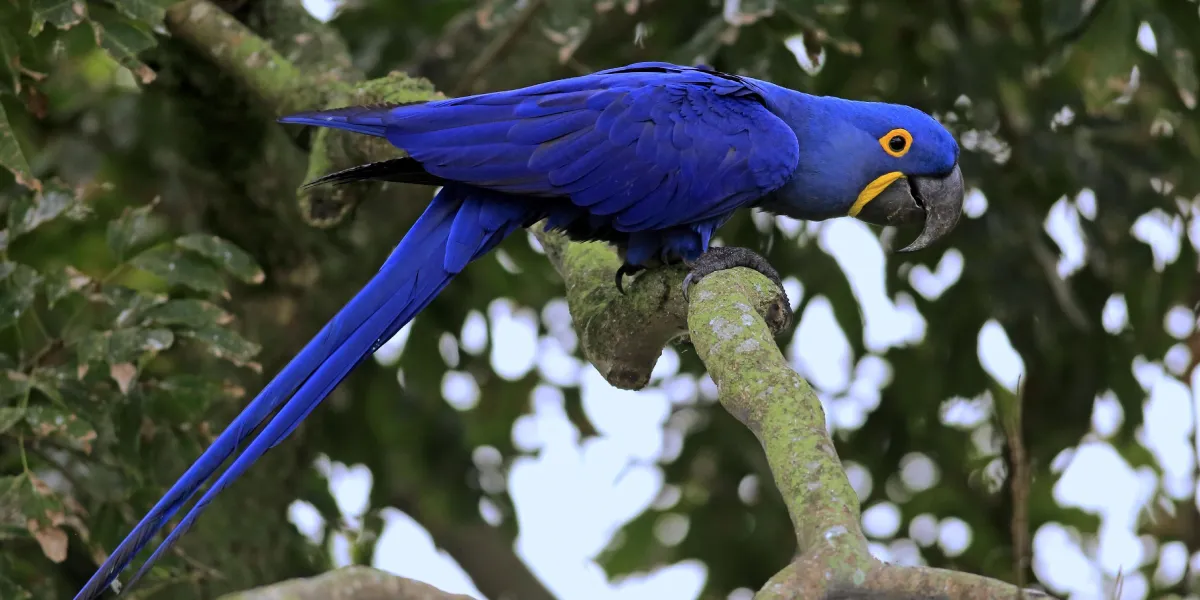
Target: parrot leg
721, 258
626, 269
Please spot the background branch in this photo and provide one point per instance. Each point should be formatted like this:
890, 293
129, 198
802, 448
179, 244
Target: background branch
350, 583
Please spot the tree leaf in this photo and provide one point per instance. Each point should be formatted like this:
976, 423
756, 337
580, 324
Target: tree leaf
146, 11
233, 259
59, 383
11, 155
189, 312
32, 211
10, 416
63, 283
135, 227
10, 589
8, 58
225, 344
129, 302
178, 267
63, 14
13, 384
46, 421
19, 290
182, 398
122, 345
123, 40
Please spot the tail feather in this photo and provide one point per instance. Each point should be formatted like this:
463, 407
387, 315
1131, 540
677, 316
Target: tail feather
417, 270
403, 170
367, 119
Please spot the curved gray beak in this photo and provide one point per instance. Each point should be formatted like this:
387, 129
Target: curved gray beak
938, 201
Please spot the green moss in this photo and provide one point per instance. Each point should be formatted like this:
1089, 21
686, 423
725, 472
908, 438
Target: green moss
758, 386
334, 150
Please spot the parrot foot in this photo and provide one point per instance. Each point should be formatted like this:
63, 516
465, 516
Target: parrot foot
721, 258
626, 269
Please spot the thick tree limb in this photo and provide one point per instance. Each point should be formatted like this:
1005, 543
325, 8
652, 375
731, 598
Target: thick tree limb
242, 54
756, 385
622, 335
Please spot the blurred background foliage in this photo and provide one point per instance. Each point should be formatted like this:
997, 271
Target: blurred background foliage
144, 189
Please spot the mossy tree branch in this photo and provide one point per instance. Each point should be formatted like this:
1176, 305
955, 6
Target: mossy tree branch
732, 320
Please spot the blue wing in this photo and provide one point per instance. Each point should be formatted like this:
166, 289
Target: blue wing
648, 146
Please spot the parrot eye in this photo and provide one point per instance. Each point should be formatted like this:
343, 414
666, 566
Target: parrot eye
896, 142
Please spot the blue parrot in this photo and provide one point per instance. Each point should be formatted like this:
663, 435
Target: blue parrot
651, 157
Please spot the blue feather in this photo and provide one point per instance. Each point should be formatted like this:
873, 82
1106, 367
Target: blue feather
651, 156
420, 267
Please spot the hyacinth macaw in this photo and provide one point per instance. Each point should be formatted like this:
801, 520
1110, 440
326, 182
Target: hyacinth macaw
651, 157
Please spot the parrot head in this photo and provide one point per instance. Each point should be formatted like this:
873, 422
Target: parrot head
911, 171
885, 164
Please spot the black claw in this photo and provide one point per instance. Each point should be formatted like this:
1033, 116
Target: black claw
626, 269
724, 257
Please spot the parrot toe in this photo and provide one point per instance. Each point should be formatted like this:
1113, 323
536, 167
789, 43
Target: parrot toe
721, 258
626, 269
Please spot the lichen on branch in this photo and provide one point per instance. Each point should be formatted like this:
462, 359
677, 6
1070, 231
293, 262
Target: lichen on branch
727, 322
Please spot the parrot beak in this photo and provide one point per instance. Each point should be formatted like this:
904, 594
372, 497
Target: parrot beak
938, 201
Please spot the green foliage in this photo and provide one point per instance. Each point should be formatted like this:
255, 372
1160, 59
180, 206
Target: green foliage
83, 359
122, 29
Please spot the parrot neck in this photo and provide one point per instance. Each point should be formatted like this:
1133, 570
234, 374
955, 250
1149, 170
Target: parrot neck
819, 189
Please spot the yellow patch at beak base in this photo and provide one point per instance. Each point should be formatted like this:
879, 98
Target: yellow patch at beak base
868, 193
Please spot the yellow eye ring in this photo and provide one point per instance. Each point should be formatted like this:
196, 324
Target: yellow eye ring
896, 142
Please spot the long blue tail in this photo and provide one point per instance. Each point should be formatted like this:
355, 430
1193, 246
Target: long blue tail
461, 224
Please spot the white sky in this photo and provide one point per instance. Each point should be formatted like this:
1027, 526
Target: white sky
571, 497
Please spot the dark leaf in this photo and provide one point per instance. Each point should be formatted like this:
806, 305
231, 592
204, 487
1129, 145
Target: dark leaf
10, 416
12, 492
63, 283
182, 398
58, 384
12, 385
189, 313
149, 12
123, 345
135, 227
224, 253
19, 290
63, 14
12, 157
8, 56
10, 589
225, 344
178, 267
55, 423
129, 302
54, 201
123, 40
